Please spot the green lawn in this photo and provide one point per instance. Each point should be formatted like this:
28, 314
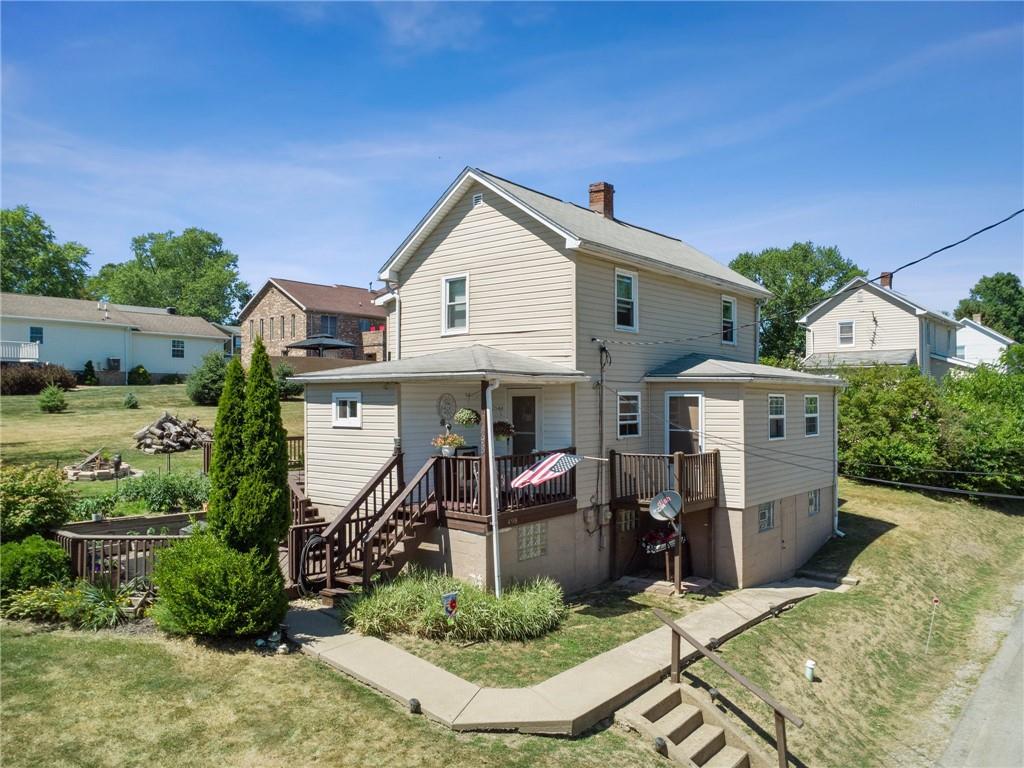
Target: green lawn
598, 621
96, 419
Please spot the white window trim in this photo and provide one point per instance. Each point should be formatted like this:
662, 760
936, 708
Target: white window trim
771, 505
735, 314
347, 422
445, 330
178, 341
813, 502
817, 416
635, 328
639, 415
700, 416
771, 417
42, 333
839, 333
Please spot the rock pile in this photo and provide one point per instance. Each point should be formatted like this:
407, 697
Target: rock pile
169, 434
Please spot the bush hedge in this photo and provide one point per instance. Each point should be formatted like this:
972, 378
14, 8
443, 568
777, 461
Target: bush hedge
206, 381
33, 379
139, 376
51, 400
33, 499
411, 604
32, 562
130, 401
208, 589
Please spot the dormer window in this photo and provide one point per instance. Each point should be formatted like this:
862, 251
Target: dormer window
626, 314
455, 305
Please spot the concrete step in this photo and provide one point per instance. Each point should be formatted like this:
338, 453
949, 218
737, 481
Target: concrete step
657, 702
728, 757
702, 743
678, 723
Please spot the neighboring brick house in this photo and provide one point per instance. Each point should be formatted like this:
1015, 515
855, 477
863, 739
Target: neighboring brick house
287, 311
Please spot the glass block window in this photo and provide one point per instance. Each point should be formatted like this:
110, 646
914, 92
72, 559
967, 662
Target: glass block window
627, 520
531, 540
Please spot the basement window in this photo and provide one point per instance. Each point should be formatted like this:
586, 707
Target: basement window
531, 540
765, 516
814, 502
177, 348
347, 409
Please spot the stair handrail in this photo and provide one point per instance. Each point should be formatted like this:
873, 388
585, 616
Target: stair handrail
360, 498
782, 712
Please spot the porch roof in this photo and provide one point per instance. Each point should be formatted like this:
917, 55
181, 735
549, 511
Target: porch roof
697, 368
475, 361
861, 358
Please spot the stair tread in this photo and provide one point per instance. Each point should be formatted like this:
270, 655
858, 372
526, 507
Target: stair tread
699, 740
654, 699
728, 757
679, 722
335, 591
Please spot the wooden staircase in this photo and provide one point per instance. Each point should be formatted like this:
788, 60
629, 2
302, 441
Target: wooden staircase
303, 510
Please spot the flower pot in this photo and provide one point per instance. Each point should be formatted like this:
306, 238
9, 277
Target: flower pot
447, 450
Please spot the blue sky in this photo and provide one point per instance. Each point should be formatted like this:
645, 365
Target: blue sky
312, 137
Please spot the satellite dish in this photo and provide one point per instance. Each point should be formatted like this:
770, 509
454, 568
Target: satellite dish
666, 506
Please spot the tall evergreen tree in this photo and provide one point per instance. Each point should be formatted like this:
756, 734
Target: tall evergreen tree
227, 461
261, 514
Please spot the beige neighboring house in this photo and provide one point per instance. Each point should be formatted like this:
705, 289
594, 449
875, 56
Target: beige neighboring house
298, 319
866, 324
116, 337
583, 332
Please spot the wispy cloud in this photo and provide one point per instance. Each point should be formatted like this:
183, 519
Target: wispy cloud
427, 27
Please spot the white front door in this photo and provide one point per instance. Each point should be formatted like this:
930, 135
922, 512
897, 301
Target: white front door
684, 422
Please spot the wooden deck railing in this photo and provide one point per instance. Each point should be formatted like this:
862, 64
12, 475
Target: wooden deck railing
315, 565
296, 445
782, 713
460, 483
644, 475
115, 558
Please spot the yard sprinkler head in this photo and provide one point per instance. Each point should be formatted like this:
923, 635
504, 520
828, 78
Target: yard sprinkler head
414, 706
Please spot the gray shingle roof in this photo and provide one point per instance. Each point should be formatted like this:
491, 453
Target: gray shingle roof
697, 366
872, 357
474, 361
145, 319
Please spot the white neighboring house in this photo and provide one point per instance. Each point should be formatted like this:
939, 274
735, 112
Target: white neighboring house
116, 337
978, 343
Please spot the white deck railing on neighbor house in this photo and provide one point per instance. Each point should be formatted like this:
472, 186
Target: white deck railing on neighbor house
19, 351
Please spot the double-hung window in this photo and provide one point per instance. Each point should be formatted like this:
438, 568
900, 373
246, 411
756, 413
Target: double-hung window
846, 333
776, 417
347, 409
455, 304
177, 348
328, 325
626, 308
629, 414
35, 333
810, 415
728, 320
765, 516
961, 350
814, 502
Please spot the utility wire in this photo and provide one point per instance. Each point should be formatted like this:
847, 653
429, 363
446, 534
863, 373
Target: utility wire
900, 268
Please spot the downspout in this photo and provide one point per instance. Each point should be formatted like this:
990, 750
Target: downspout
492, 474
398, 325
757, 331
835, 464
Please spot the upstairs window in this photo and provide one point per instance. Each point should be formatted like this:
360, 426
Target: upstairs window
293, 326
177, 348
625, 301
328, 325
629, 414
35, 333
455, 304
810, 415
728, 320
271, 329
814, 502
765, 516
282, 326
846, 333
776, 417
261, 327
347, 409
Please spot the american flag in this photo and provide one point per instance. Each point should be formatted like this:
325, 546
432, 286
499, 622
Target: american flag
547, 468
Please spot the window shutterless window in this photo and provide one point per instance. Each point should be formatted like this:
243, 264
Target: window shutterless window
814, 502
629, 414
846, 333
364, 325
728, 320
455, 304
626, 315
531, 540
776, 417
961, 350
261, 327
810, 415
177, 348
251, 330
271, 329
282, 326
35, 333
765, 516
347, 409
293, 326
328, 324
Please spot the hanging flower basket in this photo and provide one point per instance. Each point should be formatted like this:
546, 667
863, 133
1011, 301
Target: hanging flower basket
467, 417
659, 541
504, 429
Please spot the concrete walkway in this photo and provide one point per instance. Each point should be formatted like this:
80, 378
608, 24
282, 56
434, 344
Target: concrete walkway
566, 704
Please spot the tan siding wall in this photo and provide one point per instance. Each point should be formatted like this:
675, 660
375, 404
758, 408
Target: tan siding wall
878, 324
520, 283
339, 461
390, 330
779, 468
555, 414
420, 422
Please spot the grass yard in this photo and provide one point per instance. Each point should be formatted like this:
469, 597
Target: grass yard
877, 683
598, 621
109, 699
96, 419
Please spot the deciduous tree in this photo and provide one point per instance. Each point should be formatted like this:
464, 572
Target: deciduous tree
999, 299
32, 261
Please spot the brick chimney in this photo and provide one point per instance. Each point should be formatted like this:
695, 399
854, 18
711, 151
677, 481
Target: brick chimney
886, 280
602, 199
976, 317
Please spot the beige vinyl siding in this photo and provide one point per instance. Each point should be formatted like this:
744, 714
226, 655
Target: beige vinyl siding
521, 288
879, 324
776, 469
669, 308
555, 414
339, 461
421, 423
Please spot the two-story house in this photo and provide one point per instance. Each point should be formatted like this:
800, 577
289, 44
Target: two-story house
299, 319
583, 332
977, 343
866, 323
